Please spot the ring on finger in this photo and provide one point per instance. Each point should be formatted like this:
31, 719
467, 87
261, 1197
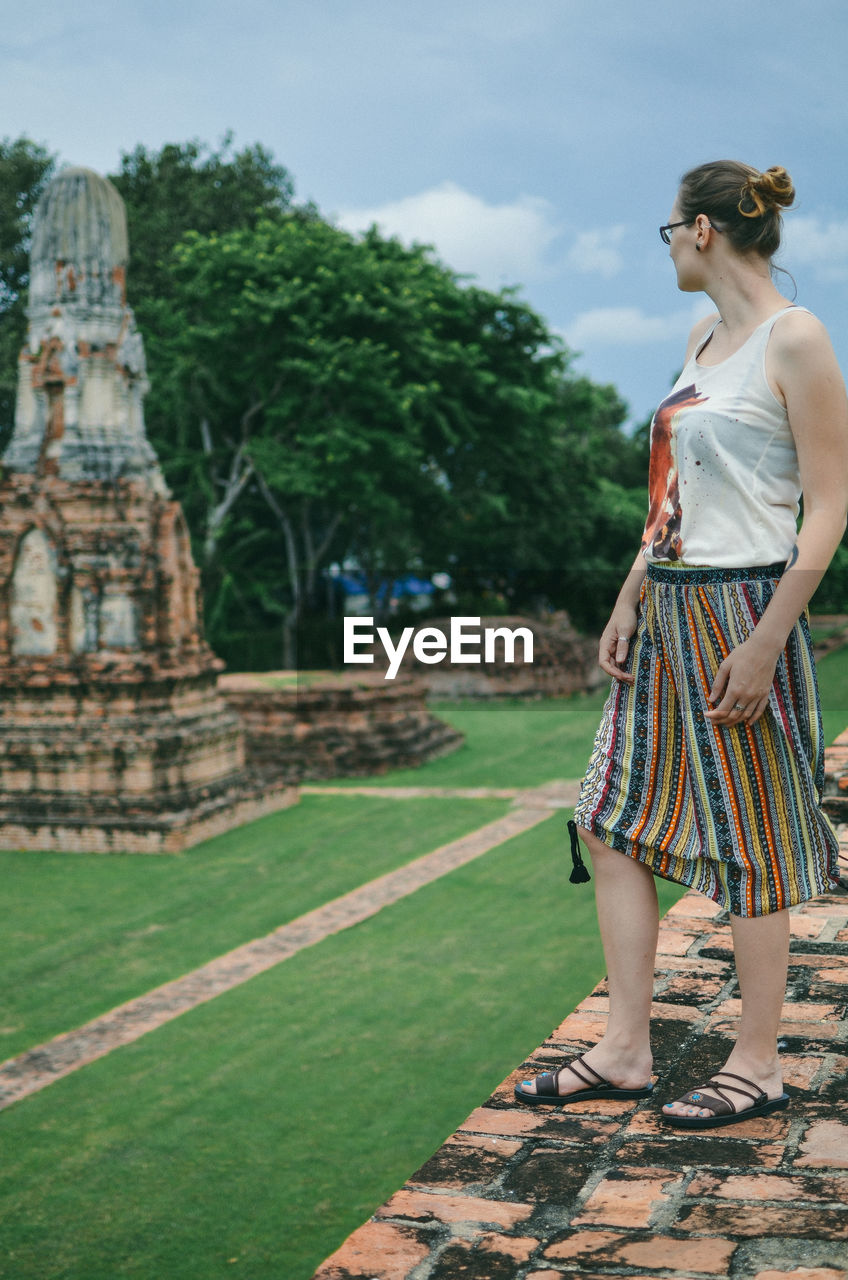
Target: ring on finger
739, 706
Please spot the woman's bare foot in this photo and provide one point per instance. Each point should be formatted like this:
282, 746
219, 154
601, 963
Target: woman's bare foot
624, 1069
767, 1077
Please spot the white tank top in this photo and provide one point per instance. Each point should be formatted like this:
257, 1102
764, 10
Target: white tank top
724, 482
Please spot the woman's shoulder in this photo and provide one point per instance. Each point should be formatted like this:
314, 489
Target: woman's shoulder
699, 331
794, 321
797, 331
800, 359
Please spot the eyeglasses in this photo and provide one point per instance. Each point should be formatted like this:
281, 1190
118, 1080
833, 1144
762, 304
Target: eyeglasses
664, 236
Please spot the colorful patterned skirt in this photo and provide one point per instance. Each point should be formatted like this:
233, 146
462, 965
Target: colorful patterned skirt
733, 811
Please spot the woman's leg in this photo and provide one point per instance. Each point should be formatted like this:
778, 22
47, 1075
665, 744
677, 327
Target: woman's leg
628, 916
761, 949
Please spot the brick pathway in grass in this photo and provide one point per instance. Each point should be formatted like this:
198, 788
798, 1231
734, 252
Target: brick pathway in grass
604, 1188
40, 1066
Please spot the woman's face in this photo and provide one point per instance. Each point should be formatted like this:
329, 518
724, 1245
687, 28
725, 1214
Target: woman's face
683, 254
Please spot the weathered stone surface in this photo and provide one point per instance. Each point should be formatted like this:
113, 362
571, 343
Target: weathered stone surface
608, 1189
377, 1249
340, 726
82, 374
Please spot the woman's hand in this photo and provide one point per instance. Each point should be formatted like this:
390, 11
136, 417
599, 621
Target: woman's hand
743, 683
615, 642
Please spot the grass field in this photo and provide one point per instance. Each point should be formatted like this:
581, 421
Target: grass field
248, 1137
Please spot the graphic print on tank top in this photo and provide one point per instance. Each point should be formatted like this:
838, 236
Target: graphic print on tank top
662, 528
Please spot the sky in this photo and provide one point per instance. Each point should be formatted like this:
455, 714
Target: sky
535, 144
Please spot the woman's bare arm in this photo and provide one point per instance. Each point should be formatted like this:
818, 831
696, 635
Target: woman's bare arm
805, 371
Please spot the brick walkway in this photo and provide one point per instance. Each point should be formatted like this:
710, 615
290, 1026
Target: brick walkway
40, 1066
602, 1189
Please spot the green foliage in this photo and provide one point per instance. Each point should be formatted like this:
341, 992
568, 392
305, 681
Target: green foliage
189, 187
317, 396
338, 397
25, 169
832, 593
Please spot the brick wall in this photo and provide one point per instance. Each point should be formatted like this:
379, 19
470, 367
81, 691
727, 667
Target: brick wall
344, 726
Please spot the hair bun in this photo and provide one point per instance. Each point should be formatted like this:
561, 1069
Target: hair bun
766, 192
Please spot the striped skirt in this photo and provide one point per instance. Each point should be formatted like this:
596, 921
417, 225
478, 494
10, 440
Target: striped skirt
733, 811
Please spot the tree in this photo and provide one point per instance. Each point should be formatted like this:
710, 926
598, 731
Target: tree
190, 187
339, 396
185, 187
25, 169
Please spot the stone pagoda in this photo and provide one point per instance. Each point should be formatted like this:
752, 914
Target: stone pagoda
113, 734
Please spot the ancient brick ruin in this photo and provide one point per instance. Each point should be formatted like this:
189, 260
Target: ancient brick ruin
114, 736
340, 726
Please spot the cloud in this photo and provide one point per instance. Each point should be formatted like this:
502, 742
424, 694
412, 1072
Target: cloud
598, 252
499, 243
809, 241
632, 327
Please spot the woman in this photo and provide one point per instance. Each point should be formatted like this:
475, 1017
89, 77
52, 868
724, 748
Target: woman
708, 764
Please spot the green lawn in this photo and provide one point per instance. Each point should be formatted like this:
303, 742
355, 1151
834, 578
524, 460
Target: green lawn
512, 744
84, 933
266, 1125
833, 689
248, 1137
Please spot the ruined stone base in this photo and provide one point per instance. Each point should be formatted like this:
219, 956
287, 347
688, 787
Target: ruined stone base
334, 725
138, 760
166, 833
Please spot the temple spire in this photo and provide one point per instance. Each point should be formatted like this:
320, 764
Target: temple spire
82, 374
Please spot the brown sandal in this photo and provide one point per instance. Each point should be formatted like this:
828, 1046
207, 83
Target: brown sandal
723, 1110
547, 1087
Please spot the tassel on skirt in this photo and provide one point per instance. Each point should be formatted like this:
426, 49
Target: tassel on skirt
733, 811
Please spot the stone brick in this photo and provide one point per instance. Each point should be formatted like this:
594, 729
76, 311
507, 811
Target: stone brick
426, 1206
704, 1150
825, 1145
678, 942
825, 980
834, 1079
685, 988
565, 1124
550, 1176
693, 906
799, 1071
489, 1257
586, 1275
809, 1031
712, 1257
764, 1186
378, 1251
628, 1198
467, 1160
504, 1120
803, 1273
697, 964
518, 1248
794, 1012
747, 1220
805, 926
586, 1028
340, 726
